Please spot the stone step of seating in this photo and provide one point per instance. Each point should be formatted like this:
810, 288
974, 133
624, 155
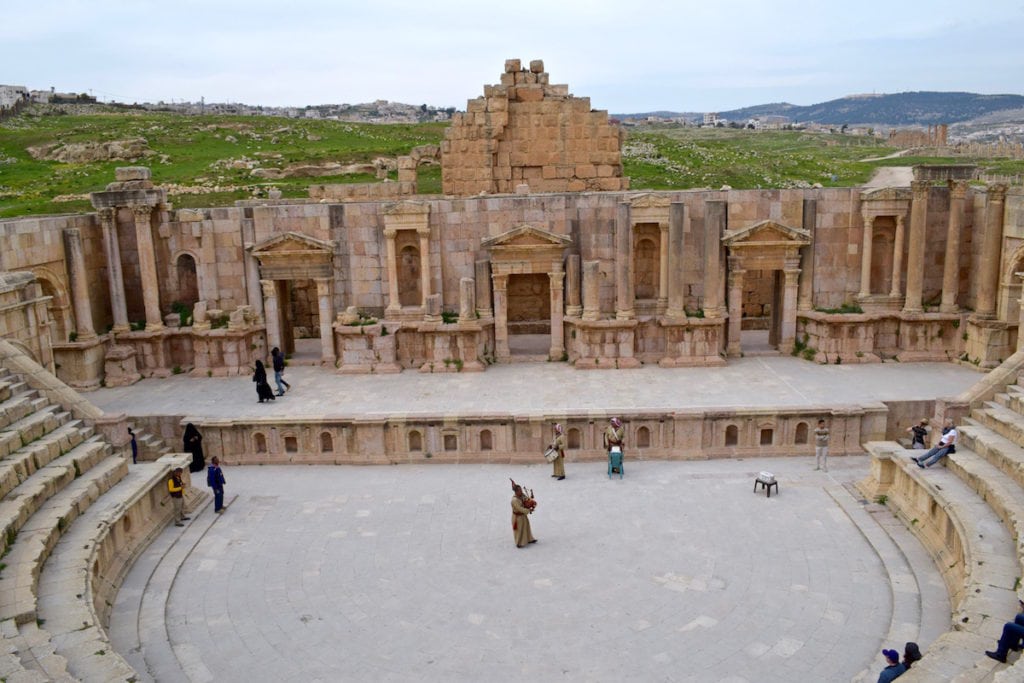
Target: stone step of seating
19, 407
1001, 494
5, 388
30, 428
1004, 454
65, 588
1001, 420
20, 465
151, 447
30, 655
40, 534
25, 500
992, 567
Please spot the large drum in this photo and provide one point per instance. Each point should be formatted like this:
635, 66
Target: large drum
550, 454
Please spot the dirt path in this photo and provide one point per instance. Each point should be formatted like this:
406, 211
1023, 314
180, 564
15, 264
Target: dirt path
891, 176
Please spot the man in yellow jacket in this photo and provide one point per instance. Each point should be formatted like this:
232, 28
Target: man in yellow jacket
176, 487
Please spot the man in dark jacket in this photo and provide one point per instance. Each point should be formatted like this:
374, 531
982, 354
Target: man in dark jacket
215, 480
278, 360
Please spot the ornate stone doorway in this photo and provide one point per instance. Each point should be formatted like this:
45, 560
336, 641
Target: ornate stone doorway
297, 278
765, 247
521, 259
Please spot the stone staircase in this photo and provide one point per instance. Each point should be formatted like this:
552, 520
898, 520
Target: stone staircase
73, 515
975, 503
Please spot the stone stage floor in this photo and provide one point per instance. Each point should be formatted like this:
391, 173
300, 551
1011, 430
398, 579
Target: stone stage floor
544, 389
677, 572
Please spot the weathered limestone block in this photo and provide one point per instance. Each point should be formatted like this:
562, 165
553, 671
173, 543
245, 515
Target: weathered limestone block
119, 366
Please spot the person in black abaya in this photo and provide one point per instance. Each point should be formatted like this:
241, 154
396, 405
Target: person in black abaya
263, 390
193, 443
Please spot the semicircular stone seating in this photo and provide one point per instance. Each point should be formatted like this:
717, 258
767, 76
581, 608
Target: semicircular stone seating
970, 516
73, 516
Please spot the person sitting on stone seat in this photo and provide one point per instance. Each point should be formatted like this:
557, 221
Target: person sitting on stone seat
947, 445
1012, 637
894, 668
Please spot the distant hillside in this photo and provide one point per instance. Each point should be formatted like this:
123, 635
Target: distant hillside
900, 109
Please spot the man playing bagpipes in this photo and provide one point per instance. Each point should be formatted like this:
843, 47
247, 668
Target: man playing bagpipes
522, 506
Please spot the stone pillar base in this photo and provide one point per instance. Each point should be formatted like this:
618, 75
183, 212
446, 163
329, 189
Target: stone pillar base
79, 364
989, 342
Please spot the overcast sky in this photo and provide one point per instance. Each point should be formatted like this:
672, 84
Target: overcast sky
626, 56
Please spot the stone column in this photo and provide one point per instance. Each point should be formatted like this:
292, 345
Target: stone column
424, 264
735, 308
714, 226
272, 314
663, 270
676, 303
501, 350
991, 247
915, 249
393, 306
75, 257
897, 259
115, 275
865, 256
1020, 315
467, 300
557, 306
147, 267
253, 290
482, 270
951, 262
805, 295
791, 274
573, 306
624, 296
591, 290
325, 299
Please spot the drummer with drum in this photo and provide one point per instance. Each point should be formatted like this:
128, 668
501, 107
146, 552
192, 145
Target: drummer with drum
555, 453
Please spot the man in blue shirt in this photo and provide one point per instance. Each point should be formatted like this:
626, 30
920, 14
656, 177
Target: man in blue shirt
895, 668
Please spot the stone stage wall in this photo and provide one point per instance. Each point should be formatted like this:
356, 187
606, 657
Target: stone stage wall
683, 435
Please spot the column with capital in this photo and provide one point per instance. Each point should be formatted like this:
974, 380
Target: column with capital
573, 305
272, 313
915, 248
325, 299
75, 258
115, 275
393, 306
663, 270
147, 267
591, 290
991, 246
805, 293
895, 288
624, 296
791, 273
714, 226
735, 308
424, 235
557, 316
951, 263
501, 350
676, 303
865, 256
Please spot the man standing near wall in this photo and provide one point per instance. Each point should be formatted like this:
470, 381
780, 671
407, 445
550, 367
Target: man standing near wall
176, 488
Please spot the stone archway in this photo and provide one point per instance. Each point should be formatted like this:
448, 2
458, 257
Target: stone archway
527, 251
765, 246
284, 260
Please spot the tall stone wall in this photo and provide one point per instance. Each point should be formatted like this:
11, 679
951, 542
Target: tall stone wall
528, 131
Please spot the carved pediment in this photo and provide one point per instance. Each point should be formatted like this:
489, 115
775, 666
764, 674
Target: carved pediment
885, 194
526, 236
649, 201
767, 233
291, 243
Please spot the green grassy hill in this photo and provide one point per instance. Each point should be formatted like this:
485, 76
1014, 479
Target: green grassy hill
209, 160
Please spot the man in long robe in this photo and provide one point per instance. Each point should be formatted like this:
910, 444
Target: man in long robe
521, 518
558, 445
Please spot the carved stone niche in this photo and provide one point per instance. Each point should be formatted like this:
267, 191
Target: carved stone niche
649, 217
407, 235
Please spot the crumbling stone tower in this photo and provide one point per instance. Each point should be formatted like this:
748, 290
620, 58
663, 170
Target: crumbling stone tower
527, 131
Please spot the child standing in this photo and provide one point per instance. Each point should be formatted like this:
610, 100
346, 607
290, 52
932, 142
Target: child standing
821, 447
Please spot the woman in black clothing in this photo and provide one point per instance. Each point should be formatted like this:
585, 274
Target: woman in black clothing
263, 390
193, 443
911, 654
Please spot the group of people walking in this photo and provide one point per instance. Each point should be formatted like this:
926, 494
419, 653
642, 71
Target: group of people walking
263, 390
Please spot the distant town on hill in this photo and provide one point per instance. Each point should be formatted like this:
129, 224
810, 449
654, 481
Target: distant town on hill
898, 109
